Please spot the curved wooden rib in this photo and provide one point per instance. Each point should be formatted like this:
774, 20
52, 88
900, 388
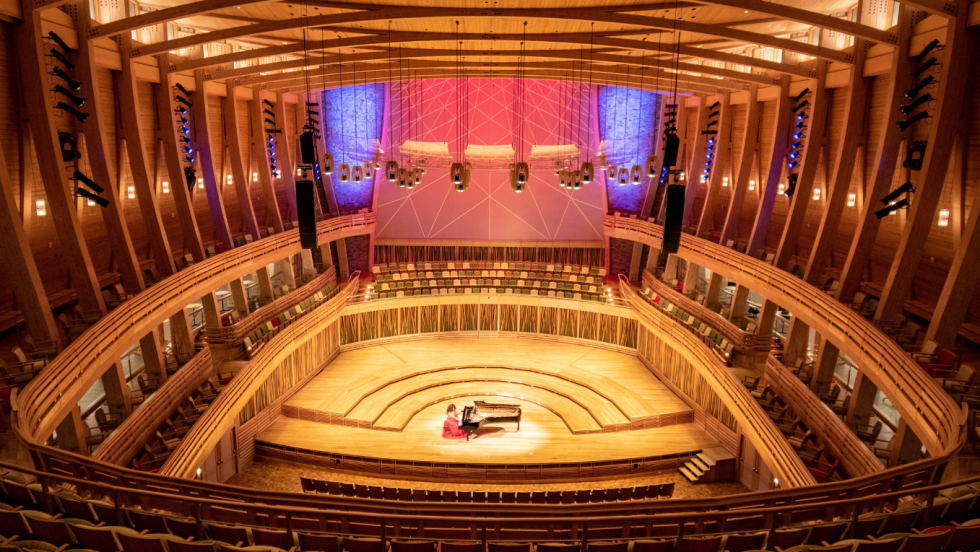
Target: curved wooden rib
45, 402
131, 435
781, 459
927, 408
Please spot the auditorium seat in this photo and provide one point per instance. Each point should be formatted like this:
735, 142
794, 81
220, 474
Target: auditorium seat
398, 545
666, 545
460, 547
362, 545
276, 539
318, 542
231, 534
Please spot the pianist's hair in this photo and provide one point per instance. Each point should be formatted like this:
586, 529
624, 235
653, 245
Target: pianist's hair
450, 409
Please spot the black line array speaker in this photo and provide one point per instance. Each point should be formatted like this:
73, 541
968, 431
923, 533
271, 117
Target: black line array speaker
674, 218
671, 145
307, 214
306, 148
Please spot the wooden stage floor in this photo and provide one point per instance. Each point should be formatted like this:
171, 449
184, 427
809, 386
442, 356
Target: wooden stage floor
579, 405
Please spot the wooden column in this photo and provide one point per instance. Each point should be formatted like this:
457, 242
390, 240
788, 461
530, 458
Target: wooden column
816, 137
181, 335
285, 267
767, 318
696, 161
238, 173
723, 152
635, 261
905, 445
19, 268
286, 165
714, 289
825, 365
261, 152
132, 133
862, 401
26, 166
183, 193
266, 294
774, 172
205, 154
691, 277
95, 145
750, 147
652, 260
960, 44
153, 358
239, 296
71, 433
670, 269
739, 299
886, 156
212, 314
117, 393
34, 79
839, 181
797, 339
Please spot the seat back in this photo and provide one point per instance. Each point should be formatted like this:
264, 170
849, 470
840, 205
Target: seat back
319, 542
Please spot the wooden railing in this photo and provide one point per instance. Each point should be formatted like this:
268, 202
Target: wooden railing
745, 342
222, 415
46, 401
844, 445
237, 331
754, 423
123, 444
938, 423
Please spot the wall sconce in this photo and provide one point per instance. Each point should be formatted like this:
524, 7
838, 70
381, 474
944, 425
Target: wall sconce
165, 186
816, 194
229, 179
131, 192
682, 176
41, 208
299, 171
751, 185
724, 182
255, 177
852, 200
200, 183
944, 217
782, 189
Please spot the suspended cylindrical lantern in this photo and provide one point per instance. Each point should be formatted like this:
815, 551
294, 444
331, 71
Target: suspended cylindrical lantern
577, 180
557, 168
523, 173
456, 173
562, 177
636, 175
357, 174
391, 170
624, 177
512, 176
603, 160
404, 179
417, 175
588, 172
343, 172
611, 172
326, 163
369, 170
651, 166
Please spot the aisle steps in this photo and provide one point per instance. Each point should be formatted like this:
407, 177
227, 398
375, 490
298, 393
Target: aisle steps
710, 465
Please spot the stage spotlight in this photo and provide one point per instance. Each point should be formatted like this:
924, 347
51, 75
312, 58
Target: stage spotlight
268, 103
77, 100
914, 91
61, 57
800, 126
711, 124
189, 159
793, 164
81, 177
714, 105
798, 135
78, 114
61, 43
924, 67
799, 96
713, 114
903, 189
791, 185
180, 87
801, 117
908, 109
709, 132
184, 101
925, 51
184, 129
795, 154
914, 156
273, 131
188, 149
904, 125
185, 139
801, 105
100, 201
269, 111
270, 121
797, 145
181, 109
73, 84
881, 213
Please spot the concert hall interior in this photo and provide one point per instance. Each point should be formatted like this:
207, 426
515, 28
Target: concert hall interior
489, 276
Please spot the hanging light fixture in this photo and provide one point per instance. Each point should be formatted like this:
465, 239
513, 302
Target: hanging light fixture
521, 171
456, 170
357, 171
391, 167
636, 172
587, 169
343, 170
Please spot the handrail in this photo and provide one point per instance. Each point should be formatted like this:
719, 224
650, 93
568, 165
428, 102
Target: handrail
938, 423
745, 341
45, 402
842, 442
124, 442
753, 422
222, 415
237, 331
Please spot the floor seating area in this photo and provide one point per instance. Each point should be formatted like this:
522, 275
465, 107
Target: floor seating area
254, 341
586, 496
568, 281
720, 345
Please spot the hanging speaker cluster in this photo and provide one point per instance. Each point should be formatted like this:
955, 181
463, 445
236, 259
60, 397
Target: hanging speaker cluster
271, 131
911, 93
709, 156
68, 87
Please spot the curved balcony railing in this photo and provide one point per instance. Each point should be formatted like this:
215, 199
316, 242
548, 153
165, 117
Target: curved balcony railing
932, 415
46, 401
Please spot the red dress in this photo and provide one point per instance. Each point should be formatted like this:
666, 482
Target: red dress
451, 429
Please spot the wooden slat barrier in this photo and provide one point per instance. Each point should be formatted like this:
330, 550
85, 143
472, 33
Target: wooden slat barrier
744, 342
928, 409
236, 333
46, 401
752, 421
856, 458
223, 412
123, 444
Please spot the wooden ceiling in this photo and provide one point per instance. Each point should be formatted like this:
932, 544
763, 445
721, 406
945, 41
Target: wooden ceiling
714, 40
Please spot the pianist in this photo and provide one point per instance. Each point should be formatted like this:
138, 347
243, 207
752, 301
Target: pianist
450, 428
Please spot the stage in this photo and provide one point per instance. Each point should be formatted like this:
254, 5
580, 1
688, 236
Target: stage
587, 413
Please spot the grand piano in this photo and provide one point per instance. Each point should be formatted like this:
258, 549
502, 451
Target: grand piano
483, 414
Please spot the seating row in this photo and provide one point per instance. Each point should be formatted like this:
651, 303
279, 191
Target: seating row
262, 334
585, 496
373, 294
719, 344
491, 274
803, 440
486, 265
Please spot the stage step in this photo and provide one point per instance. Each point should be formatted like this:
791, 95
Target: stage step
700, 463
709, 465
690, 476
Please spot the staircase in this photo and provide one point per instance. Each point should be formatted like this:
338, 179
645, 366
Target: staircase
710, 465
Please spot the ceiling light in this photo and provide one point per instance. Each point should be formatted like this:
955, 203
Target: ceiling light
41, 208
851, 200
944, 217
